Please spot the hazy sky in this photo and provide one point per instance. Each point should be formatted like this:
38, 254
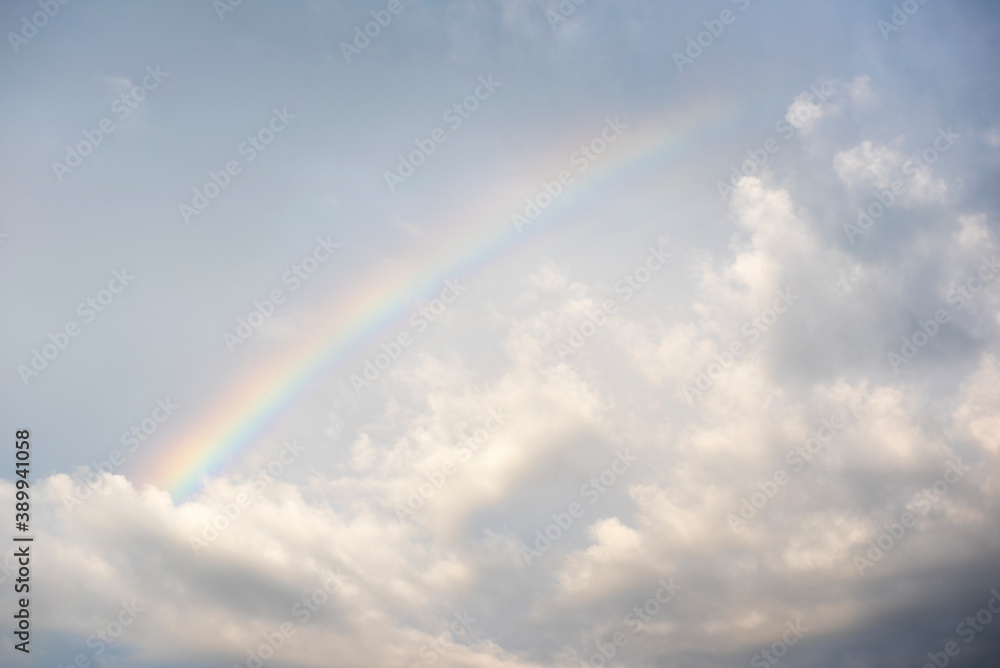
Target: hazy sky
524, 327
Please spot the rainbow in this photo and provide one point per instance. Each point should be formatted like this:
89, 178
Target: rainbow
256, 401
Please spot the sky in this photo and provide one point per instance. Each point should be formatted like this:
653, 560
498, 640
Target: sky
502, 334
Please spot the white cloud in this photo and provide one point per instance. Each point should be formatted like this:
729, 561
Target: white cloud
877, 165
828, 99
667, 518
871, 166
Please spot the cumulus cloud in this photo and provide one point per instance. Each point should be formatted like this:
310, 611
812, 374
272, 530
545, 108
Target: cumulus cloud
695, 450
882, 167
828, 99
468, 516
